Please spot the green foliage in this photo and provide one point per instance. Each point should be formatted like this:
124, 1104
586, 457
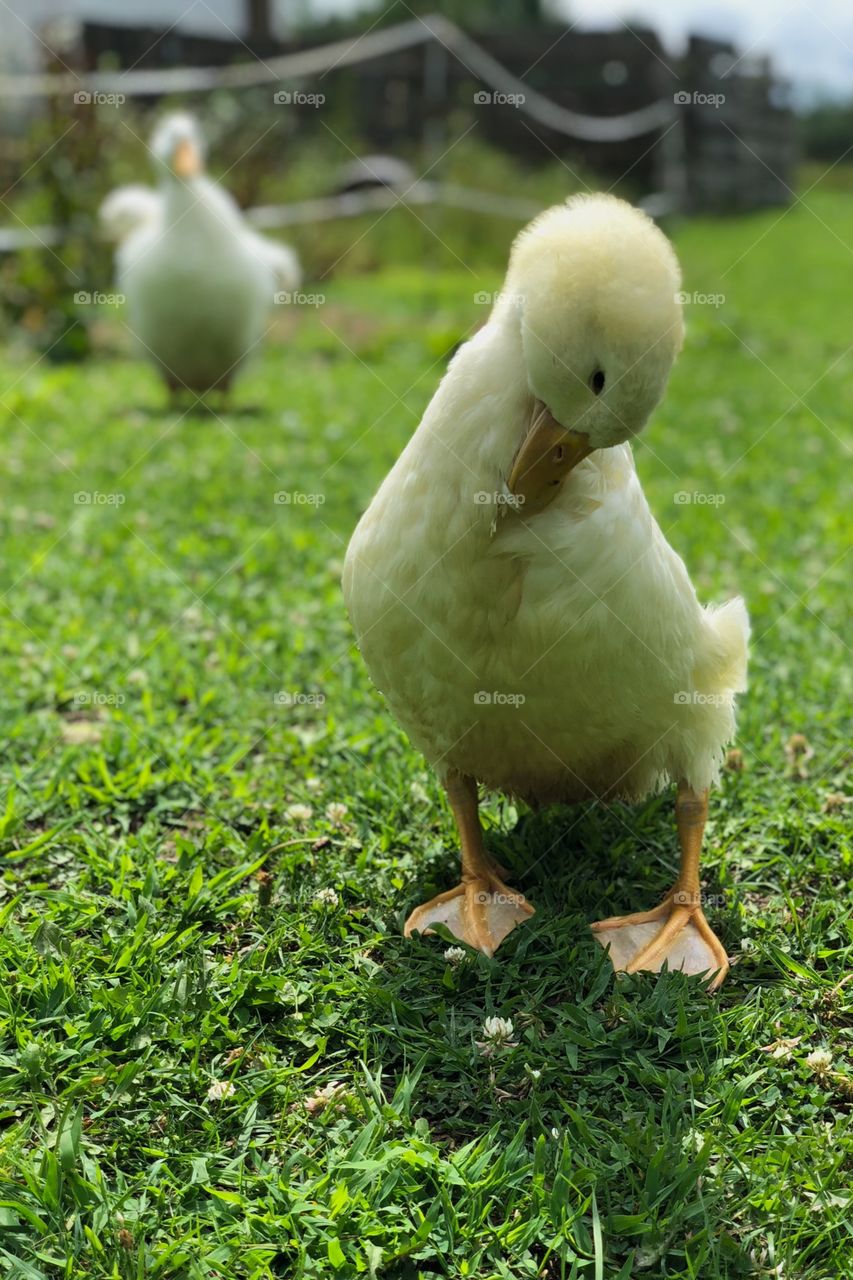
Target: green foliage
169, 1019
825, 131
470, 15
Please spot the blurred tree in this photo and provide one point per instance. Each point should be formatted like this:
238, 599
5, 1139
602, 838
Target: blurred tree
826, 131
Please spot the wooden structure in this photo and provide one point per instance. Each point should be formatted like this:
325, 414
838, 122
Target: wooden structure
741, 153
723, 138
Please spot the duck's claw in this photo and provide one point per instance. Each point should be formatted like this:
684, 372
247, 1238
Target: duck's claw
676, 932
480, 911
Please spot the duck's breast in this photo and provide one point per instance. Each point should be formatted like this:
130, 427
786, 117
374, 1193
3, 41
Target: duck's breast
547, 660
197, 294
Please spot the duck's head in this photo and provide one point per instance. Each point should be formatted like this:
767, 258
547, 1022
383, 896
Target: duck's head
177, 144
596, 286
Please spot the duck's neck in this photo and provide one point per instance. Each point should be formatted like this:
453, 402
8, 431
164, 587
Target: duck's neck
190, 209
473, 428
481, 411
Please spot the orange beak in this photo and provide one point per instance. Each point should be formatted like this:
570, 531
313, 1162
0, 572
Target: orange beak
548, 453
186, 161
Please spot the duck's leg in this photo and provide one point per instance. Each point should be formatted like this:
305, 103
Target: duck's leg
481, 910
676, 931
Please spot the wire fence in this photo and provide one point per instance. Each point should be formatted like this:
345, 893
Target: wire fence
342, 53
738, 156
350, 204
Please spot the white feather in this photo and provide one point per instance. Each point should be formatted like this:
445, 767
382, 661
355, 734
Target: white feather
281, 260
127, 209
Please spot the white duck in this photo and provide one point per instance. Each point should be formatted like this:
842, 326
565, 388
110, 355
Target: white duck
513, 596
127, 209
198, 280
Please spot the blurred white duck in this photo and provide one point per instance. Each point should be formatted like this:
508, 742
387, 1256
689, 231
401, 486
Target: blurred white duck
513, 596
127, 209
198, 280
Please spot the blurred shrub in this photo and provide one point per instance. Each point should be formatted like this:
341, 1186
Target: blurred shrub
825, 131
39, 284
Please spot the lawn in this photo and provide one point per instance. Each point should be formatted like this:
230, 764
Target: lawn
219, 1057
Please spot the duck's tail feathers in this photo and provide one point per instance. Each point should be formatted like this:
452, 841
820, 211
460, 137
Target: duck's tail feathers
722, 667
283, 263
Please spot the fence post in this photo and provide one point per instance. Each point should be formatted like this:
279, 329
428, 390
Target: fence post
435, 81
672, 163
258, 20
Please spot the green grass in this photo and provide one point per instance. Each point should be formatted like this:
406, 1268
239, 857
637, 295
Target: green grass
635, 1128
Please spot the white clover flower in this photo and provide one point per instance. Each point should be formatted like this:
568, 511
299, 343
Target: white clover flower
781, 1049
336, 813
326, 898
497, 1034
220, 1089
455, 955
298, 812
692, 1141
820, 1060
313, 784
333, 1092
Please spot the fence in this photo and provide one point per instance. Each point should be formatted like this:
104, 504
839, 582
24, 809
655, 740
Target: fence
703, 132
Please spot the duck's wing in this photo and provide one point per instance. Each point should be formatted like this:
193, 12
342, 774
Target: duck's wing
601, 579
280, 260
128, 209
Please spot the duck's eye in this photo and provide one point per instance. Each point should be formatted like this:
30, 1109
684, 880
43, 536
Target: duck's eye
596, 382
